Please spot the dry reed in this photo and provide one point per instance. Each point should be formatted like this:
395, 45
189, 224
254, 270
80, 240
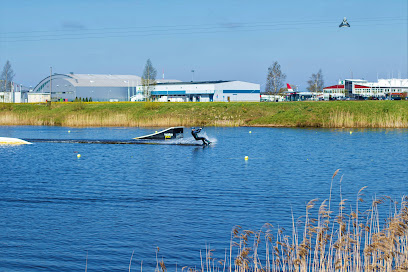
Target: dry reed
349, 241
338, 119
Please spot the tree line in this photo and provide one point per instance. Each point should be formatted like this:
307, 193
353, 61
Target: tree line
6, 77
275, 80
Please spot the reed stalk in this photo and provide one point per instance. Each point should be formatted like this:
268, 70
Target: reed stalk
353, 240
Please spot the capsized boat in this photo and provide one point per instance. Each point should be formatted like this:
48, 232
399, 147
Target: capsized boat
12, 141
166, 134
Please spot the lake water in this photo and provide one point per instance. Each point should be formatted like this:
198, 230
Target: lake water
57, 211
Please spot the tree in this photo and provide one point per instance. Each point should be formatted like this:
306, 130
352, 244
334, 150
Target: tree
316, 82
275, 79
7, 76
148, 79
283, 90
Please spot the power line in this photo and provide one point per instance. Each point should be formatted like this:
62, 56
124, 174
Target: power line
184, 30
377, 19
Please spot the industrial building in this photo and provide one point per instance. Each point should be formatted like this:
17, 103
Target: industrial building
15, 94
95, 87
68, 87
206, 91
360, 88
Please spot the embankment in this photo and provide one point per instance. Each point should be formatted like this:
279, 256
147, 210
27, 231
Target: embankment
332, 114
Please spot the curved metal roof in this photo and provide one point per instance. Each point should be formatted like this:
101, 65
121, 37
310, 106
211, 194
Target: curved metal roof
88, 80
94, 80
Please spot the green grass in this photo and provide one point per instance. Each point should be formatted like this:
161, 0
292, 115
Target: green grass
387, 114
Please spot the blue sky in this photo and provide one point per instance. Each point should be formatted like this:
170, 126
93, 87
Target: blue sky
218, 39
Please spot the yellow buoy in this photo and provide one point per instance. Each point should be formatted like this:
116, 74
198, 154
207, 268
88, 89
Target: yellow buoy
78, 156
351, 132
69, 131
246, 158
250, 131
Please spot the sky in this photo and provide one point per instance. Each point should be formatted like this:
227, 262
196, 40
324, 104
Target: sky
219, 40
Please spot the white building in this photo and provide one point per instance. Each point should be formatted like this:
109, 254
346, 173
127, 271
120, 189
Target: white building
14, 94
272, 98
202, 91
360, 88
67, 87
38, 97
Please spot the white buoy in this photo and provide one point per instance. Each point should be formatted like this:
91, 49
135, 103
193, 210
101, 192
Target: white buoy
12, 141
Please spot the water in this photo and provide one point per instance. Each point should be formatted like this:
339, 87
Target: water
59, 211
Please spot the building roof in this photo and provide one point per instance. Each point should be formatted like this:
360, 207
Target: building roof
192, 82
361, 86
334, 87
87, 80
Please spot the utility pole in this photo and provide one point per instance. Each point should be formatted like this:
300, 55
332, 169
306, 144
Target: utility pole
50, 83
2, 92
5, 84
128, 97
148, 83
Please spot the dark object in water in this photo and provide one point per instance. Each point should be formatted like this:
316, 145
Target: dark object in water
167, 134
114, 142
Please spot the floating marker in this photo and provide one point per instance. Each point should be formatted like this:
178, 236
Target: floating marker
351, 132
155, 131
250, 131
69, 131
78, 156
246, 158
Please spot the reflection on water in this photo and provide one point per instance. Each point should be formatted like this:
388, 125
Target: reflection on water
114, 199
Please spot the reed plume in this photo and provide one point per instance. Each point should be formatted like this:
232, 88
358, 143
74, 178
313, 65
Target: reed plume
353, 240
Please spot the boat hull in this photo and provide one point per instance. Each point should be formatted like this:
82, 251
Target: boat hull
12, 141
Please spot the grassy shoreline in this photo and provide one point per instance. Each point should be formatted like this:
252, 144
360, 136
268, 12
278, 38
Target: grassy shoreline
332, 114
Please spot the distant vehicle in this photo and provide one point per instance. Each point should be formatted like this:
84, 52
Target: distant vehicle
344, 23
396, 96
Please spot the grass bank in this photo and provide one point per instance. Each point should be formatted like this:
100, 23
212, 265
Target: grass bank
333, 114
